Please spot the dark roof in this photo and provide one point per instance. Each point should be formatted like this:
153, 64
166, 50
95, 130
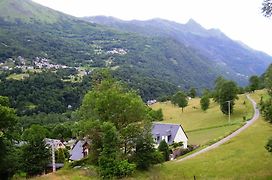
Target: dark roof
57, 165
164, 129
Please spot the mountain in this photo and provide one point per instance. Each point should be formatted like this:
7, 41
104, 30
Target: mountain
28, 11
224, 53
145, 57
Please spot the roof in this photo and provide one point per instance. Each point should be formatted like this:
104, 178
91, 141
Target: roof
165, 129
77, 151
51, 142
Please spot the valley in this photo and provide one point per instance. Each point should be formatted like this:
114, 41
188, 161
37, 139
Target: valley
97, 97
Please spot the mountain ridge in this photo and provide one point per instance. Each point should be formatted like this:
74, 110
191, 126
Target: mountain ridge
211, 43
148, 61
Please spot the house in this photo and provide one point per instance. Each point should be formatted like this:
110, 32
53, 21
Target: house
57, 143
79, 150
170, 133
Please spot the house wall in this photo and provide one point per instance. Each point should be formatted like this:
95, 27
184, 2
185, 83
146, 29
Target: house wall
181, 137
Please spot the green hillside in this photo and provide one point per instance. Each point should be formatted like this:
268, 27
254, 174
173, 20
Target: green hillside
155, 66
225, 54
28, 11
243, 157
206, 127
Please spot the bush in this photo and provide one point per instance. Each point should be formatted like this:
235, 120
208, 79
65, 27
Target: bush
124, 168
164, 149
268, 146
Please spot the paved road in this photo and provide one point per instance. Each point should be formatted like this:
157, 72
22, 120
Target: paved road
222, 141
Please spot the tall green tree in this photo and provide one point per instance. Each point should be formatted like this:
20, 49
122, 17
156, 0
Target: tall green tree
225, 91
192, 93
112, 102
8, 157
35, 154
228, 94
110, 153
110, 163
145, 154
268, 80
204, 103
254, 83
164, 149
180, 99
217, 89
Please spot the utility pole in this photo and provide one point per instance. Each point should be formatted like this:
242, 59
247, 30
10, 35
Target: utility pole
53, 156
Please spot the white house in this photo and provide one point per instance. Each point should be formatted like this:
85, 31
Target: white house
170, 133
79, 150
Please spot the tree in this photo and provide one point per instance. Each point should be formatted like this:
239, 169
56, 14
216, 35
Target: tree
35, 155
268, 80
218, 86
225, 91
180, 99
267, 8
110, 164
266, 109
192, 93
111, 102
228, 94
164, 149
204, 103
61, 131
254, 83
156, 115
109, 155
8, 157
268, 145
145, 154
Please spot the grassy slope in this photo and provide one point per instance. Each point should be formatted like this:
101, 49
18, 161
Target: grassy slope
203, 127
25, 10
243, 157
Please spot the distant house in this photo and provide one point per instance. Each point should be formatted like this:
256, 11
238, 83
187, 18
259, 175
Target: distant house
170, 133
79, 150
150, 102
57, 143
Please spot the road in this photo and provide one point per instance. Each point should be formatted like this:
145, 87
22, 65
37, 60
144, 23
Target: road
235, 133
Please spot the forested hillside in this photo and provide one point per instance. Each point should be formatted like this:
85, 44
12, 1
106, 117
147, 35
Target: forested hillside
224, 53
137, 59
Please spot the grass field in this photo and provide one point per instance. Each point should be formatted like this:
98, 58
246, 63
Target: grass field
18, 76
205, 127
243, 157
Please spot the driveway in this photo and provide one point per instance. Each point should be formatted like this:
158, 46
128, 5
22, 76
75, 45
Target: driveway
235, 133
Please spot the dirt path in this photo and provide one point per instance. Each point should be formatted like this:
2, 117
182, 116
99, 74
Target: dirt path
222, 141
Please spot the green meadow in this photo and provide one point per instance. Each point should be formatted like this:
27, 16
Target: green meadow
206, 127
243, 157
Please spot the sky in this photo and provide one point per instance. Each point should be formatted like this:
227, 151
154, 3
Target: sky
239, 19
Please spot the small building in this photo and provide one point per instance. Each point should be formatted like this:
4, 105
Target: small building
79, 150
170, 133
57, 143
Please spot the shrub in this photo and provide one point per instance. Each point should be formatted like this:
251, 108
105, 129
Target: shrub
124, 168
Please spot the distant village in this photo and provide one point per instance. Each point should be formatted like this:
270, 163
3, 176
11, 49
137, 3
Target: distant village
38, 63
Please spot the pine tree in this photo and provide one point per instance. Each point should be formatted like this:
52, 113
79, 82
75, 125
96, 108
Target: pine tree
164, 149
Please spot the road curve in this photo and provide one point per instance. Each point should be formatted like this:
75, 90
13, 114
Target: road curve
235, 133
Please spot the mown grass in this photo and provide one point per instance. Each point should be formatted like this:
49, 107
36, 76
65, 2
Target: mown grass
243, 157
204, 127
